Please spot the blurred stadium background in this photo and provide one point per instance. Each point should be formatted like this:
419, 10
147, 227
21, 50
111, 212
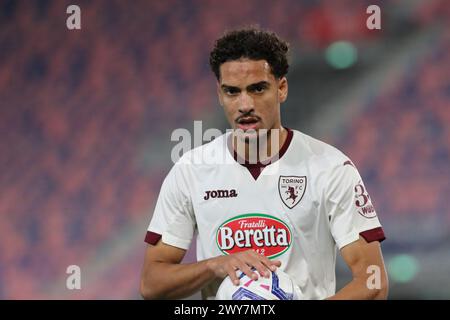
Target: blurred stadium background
86, 118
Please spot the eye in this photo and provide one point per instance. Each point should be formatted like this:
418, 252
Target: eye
231, 91
258, 89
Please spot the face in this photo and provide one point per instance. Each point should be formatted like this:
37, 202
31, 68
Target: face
251, 95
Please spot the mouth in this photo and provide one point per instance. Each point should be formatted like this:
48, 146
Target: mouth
247, 123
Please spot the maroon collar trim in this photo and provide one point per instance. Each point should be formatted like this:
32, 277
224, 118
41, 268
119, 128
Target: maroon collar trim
256, 168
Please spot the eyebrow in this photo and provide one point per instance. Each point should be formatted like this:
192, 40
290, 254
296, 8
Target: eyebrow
249, 87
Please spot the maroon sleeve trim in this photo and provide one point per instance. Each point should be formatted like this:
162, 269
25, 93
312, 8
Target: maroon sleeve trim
371, 235
152, 238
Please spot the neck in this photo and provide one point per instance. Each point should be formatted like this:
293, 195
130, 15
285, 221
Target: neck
262, 148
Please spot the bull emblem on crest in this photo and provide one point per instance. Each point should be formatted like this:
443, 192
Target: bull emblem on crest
292, 186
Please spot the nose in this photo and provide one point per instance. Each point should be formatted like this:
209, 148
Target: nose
245, 103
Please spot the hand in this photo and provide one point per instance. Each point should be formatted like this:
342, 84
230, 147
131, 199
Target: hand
244, 261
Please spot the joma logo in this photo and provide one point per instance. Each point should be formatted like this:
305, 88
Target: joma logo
220, 194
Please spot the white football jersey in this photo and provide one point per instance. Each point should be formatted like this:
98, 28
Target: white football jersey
297, 209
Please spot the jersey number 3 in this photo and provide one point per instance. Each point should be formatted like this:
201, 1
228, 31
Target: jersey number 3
362, 197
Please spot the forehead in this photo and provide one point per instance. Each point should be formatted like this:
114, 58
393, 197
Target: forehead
244, 71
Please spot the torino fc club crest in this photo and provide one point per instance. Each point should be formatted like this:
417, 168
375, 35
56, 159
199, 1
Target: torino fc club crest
291, 189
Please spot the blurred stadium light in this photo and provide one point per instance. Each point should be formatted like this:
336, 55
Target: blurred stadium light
402, 268
341, 54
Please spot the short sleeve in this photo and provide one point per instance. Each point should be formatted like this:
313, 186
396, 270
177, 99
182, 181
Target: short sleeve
349, 207
173, 220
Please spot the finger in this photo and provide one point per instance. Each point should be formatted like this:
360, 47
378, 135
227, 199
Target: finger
260, 263
232, 274
277, 263
245, 267
250, 258
271, 265
261, 268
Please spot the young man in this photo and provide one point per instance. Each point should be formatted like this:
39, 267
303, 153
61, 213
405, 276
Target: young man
289, 209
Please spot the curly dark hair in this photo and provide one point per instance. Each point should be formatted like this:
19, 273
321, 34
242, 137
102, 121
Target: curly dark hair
254, 44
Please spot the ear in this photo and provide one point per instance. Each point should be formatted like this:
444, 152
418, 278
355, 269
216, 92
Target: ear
219, 93
282, 89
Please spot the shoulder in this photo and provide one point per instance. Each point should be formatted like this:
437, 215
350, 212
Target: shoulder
193, 163
319, 153
333, 170
211, 153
